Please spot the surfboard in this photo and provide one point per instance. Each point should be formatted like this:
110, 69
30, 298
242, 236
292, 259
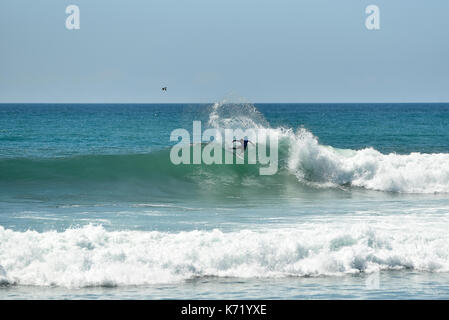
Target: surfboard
236, 153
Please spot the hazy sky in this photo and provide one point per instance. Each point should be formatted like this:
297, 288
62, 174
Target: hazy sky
204, 50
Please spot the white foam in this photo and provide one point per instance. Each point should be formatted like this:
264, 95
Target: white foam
92, 256
367, 168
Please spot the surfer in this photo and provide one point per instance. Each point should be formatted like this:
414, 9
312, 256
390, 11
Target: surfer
243, 144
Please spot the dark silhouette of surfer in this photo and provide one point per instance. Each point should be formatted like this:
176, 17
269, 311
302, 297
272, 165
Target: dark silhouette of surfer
164, 89
243, 144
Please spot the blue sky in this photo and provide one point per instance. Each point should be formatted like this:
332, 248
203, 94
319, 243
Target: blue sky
205, 50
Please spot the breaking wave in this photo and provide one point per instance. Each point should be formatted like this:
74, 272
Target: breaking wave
303, 162
92, 256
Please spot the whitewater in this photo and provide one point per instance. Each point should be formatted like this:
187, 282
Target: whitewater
91, 256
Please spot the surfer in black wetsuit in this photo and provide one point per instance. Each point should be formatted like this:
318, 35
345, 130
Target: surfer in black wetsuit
243, 142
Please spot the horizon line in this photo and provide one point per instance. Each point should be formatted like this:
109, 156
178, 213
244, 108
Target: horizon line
272, 102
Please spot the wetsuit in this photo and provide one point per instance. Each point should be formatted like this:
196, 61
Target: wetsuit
245, 144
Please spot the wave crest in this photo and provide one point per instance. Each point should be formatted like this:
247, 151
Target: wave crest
367, 168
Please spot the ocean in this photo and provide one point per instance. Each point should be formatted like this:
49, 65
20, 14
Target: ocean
91, 206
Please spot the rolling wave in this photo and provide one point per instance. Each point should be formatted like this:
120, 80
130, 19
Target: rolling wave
303, 163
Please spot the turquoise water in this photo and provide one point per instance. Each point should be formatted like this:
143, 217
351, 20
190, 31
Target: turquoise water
92, 207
